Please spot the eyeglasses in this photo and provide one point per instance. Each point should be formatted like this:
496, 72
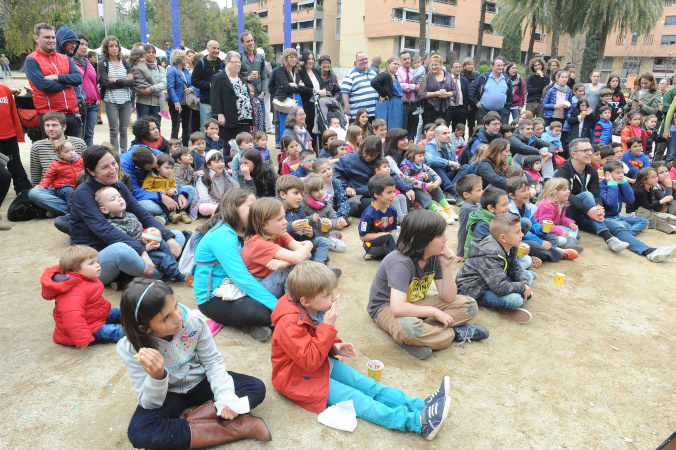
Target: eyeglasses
236, 62
301, 114
589, 151
495, 124
293, 57
309, 160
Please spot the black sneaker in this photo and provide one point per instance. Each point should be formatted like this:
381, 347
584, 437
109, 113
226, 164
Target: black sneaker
416, 350
433, 416
470, 332
258, 332
441, 392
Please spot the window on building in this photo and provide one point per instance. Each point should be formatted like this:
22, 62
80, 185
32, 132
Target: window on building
409, 42
434, 46
405, 14
648, 39
669, 3
488, 28
491, 7
443, 20
634, 39
262, 13
447, 2
668, 39
670, 21
540, 37
303, 24
338, 29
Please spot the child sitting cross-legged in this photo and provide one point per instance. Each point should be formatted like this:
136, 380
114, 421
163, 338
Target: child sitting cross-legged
291, 164
469, 187
242, 142
543, 245
552, 206
491, 273
81, 313
183, 170
256, 175
270, 251
306, 368
320, 213
378, 224
63, 171
162, 180
114, 207
426, 183
647, 205
400, 202
615, 190
260, 140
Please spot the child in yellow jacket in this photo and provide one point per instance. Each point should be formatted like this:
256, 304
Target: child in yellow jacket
162, 180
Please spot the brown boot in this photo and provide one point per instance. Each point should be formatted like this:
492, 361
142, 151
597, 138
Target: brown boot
205, 433
204, 412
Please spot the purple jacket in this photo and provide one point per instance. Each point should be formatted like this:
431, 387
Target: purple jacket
519, 96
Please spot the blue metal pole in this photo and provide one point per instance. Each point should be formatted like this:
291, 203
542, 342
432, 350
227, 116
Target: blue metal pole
175, 25
240, 22
287, 24
142, 19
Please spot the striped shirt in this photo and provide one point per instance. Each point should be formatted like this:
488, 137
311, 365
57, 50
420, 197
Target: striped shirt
357, 85
121, 95
42, 154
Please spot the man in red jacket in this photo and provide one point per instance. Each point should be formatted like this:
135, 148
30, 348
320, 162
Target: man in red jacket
52, 77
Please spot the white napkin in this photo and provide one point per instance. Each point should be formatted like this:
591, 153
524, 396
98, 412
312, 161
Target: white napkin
341, 416
238, 405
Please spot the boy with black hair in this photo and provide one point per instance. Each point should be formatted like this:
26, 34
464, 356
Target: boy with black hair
470, 188
506, 130
243, 141
603, 131
615, 190
542, 245
635, 156
290, 192
213, 141
491, 273
183, 170
378, 225
618, 153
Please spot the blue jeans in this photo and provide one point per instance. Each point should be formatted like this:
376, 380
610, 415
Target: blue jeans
570, 240
6, 71
275, 283
583, 220
671, 150
205, 113
449, 176
383, 405
536, 249
625, 228
89, 120
165, 261
509, 301
320, 249
163, 427
278, 132
515, 111
155, 208
48, 199
64, 192
111, 331
147, 110
119, 258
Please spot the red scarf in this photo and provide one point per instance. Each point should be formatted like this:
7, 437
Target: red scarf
153, 144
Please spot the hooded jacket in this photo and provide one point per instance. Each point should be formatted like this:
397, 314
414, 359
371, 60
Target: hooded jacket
51, 95
487, 267
480, 136
300, 356
61, 172
613, 195
528, 213
476, 216
80, 308
63, 35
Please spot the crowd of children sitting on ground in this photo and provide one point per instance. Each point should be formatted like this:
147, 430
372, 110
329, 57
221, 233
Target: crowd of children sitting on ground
524, 195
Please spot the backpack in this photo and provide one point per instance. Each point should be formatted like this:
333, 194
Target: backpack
23, 209
186, 265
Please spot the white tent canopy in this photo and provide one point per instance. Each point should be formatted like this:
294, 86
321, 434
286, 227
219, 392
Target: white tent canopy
205, 52
125, 52
159, 52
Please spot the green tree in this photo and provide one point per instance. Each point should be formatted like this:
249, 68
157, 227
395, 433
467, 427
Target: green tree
607, 16
590, 54
21, 15
529, 14
511, 45
127, 31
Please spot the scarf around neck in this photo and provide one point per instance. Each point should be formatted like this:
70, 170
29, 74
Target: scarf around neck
153, 144
318, 204
560, 88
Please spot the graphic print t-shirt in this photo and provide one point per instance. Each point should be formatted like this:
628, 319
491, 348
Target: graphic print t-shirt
401, 273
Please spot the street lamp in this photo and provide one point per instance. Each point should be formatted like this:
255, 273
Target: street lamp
429, 25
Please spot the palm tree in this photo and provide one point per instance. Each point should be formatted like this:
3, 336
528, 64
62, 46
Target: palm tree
422, 15
636, 16
556, 29
480, 42
529, 14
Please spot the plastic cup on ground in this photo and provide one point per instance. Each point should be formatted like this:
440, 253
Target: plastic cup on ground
559, 278
375, 369
547, 226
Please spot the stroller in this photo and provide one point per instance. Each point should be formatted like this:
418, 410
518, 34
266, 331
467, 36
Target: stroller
28, 116
326, 109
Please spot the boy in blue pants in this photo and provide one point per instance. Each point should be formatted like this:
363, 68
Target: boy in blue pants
305, 368
615, 190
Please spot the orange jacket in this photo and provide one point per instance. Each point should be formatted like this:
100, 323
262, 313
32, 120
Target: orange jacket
628, 133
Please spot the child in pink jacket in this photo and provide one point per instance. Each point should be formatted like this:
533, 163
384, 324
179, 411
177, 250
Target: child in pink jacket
551, 205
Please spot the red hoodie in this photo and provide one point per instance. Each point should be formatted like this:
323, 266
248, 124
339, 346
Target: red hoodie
12, 127
80, 308
300, 356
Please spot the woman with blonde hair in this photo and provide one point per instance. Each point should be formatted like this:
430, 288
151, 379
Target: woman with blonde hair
389, 106
178, 84
471, 74
116, 78
436, 91
289, 85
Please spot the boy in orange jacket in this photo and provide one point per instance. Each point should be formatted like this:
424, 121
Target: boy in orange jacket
305, 345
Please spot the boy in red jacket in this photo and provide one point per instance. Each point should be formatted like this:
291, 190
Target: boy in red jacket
305, 369
63, 171
81, 313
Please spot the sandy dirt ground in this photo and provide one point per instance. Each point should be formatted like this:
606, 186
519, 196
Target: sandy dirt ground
591, 370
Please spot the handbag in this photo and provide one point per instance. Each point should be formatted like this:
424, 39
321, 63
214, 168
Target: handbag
192, 101
23, 209
284, 106
229, 291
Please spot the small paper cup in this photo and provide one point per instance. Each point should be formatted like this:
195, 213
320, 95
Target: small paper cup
559, 279
521, 251
375, 369
547, 226
601, 173
326, 223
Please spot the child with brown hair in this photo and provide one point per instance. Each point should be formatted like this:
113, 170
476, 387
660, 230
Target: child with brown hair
328, 137
63, 171
183, 170
353, 137
163, 181
400, 203
320, 213
81, 314
260, 140
306, 368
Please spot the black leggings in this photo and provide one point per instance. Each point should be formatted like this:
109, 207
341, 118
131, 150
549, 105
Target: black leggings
180, 120
238, 313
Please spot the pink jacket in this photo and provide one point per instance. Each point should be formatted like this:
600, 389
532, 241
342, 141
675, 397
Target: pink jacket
672, 173
549, 210
89, 82
519, 95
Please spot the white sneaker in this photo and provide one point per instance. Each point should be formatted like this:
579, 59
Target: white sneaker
662, 253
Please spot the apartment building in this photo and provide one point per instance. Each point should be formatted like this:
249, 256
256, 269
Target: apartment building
98, 9
341, 28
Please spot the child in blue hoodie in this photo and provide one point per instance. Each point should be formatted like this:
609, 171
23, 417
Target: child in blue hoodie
552, 134
615, 190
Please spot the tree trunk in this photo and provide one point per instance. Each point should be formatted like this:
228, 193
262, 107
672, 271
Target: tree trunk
480, 42
422, 15
531, 41
556, 29
605, 28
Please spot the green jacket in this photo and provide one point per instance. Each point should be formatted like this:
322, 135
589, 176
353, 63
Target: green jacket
667, 99
651, 102
478, 215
